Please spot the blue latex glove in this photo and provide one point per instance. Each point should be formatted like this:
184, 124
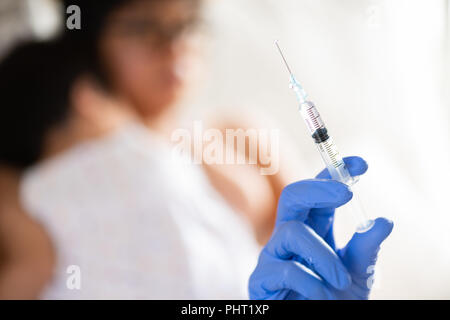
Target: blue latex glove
300, 260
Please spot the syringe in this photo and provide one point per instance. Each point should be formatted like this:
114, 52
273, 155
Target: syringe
327, 149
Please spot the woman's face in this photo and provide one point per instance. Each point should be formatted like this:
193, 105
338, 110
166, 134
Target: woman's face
147, 51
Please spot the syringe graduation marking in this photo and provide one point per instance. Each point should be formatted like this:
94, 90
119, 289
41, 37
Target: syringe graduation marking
314, 118
332, 154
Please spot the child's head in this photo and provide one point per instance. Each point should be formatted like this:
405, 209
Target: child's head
47, 98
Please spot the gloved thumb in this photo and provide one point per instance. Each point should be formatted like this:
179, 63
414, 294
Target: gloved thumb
362, 250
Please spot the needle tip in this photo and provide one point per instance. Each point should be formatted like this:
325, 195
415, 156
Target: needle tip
277, 44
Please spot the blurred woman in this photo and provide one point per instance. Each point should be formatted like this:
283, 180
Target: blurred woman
145, 52
115, 214
49, 104
126, 219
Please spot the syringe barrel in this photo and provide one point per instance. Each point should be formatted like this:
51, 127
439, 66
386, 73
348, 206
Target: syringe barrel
325, 144
334, 162
332, 159
338, 171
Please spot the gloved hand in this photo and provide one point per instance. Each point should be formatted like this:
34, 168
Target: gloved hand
300, 260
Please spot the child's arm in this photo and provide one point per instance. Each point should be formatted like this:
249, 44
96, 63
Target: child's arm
26, 254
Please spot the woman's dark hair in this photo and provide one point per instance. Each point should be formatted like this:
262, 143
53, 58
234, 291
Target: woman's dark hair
94, 16
35, 87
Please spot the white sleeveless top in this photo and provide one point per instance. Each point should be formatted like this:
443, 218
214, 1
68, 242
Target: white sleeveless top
138, 222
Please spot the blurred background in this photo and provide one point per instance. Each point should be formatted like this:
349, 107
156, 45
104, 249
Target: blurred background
378, 70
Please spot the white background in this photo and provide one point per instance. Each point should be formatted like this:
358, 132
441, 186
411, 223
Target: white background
378, 72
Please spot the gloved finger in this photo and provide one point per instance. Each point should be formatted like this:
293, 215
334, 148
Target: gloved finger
329, 238
361, 252
355, 165
321, 219
294, 239
323, 226
297, 199
279, 275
